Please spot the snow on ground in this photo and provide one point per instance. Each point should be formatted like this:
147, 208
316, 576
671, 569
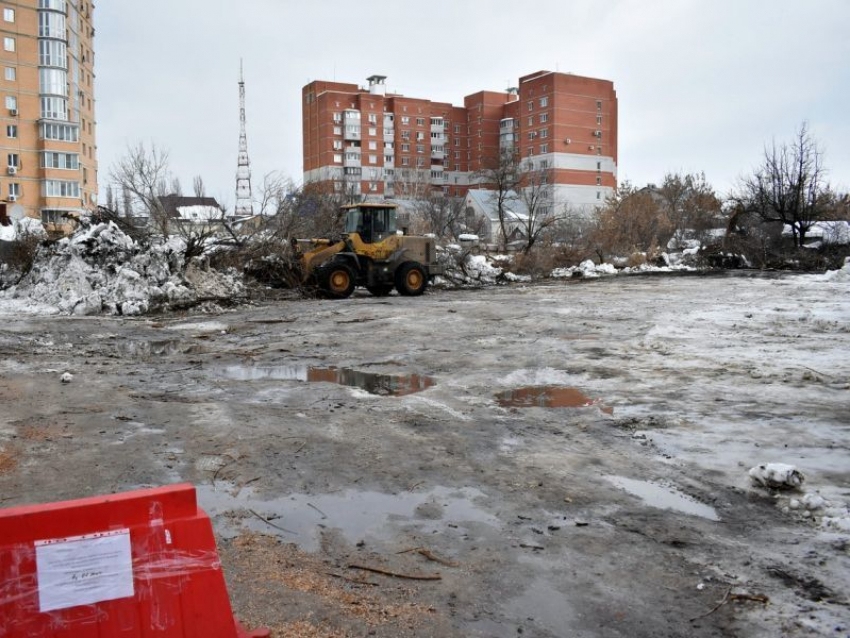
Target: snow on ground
26, 227
101, 270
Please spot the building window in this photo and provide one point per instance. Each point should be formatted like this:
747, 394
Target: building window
65, 161
531, 120
337, 158
544, 148
598, 195
598, 105
405, 148
405, 119
373, 187
373, 119
14, 190
420, 121
337, 130
54, 108
544, 132
337, 117
420, 148
9, 15
405, 135
11, 102
53, 82
599, 119
420, 136
544, 117
598, 181
388, 159
373, 159
405, 161
373, 145
420, 162
60, 132
373, 131
337, 145
457, 129
11, 74
59, 188
12, 131
599, 150
52, 25
14, 160
9, 44
52, 216
598, 166
388, 132
531, 105
544, 102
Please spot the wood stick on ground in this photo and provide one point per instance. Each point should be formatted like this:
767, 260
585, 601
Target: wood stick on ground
718, 606
756, 598
324, 516
268, 522
386, 572
430, 556
353, 580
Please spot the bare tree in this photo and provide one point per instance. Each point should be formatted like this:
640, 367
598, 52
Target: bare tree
690, 203
143, 175
632, 220
789, 186
198, 186
535, 187
501, 173
441, 215
412, 183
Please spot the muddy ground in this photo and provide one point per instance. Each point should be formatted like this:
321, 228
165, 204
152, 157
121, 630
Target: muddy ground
566, 459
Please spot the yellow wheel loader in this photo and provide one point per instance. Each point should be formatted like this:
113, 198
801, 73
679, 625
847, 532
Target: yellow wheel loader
372, 253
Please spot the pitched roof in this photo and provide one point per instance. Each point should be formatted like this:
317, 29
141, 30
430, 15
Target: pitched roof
172, 204
487, 201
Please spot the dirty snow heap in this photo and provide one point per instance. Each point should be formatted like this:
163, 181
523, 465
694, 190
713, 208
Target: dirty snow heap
101, 270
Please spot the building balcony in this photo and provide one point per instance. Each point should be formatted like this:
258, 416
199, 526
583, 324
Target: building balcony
351, 162
351, 133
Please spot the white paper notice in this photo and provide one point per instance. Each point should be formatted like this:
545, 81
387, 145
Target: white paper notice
84, 570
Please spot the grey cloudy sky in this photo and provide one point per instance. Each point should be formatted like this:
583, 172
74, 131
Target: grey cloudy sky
702, 84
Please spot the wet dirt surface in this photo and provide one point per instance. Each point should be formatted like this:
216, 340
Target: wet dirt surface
328, 437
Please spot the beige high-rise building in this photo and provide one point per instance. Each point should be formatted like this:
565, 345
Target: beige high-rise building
48, 152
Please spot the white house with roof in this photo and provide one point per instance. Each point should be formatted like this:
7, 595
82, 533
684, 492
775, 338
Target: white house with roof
482, 210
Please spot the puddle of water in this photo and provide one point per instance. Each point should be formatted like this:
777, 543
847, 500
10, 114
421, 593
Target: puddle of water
666, 498
357, 515
380, 384
544, 606
548, 397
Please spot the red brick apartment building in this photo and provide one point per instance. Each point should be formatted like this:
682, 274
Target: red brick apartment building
366, 141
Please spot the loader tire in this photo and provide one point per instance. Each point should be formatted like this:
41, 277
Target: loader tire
410, 279
336, 281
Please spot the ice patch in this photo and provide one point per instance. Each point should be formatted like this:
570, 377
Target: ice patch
536, 377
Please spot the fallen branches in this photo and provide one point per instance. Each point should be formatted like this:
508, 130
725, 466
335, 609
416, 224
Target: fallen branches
430, 556
268, 522
730, 597
386, 572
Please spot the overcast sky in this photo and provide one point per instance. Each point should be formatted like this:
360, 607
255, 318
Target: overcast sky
702, 84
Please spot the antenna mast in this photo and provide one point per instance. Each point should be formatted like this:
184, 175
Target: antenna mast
244, 205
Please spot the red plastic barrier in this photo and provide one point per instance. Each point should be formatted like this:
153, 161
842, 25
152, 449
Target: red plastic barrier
138, 564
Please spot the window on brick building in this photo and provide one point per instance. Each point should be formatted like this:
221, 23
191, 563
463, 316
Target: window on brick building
544, 102
337, 117
598, 105
405, 119
544, 117
337, 130
544, 132
11, 74
420, 148
337, 158
420, 121
9, 15
12, 131
599, 181
373, 159
544, 148
531, 105
9, 44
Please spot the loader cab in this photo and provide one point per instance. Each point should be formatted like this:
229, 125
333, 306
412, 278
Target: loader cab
373, 222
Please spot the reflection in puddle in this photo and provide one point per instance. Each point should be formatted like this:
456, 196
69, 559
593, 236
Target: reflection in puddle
664, 497
357, 515
548, 397
380, 384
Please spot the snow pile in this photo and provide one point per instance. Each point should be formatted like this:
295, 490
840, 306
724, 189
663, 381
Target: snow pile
23, 228
99, 269
831, 516
586, 269
839, 276
467, 269
777, 476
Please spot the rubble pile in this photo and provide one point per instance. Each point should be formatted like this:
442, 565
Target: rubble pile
101, 270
